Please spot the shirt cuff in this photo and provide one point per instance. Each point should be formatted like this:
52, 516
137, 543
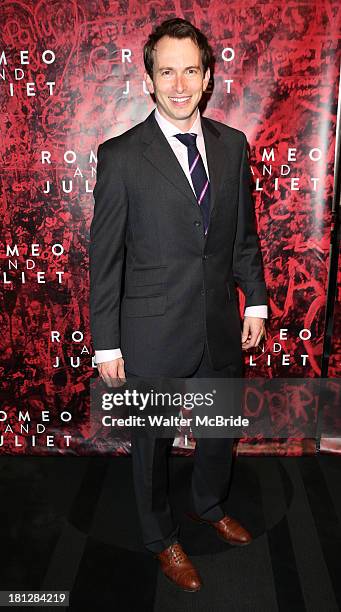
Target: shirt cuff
107, 355
256, 311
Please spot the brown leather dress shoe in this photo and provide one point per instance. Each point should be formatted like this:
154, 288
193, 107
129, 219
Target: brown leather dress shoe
228, 529
178, 568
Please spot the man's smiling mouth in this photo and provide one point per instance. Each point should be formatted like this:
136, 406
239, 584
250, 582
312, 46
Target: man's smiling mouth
180, 100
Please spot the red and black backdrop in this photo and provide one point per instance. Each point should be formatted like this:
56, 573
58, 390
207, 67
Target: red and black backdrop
71, 76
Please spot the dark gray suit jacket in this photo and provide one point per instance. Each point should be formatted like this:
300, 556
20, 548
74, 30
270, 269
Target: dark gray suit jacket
158, 288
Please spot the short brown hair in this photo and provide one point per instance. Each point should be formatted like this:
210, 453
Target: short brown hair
177, 28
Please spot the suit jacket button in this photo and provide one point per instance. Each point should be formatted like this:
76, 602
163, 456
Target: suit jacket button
205, 256
197, 223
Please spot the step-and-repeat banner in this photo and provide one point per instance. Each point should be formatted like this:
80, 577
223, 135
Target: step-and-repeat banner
71, 76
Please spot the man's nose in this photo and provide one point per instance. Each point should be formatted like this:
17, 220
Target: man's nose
179, 83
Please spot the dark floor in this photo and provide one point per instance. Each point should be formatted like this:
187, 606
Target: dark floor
70, 523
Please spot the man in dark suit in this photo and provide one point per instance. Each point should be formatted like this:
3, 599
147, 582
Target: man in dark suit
173, 230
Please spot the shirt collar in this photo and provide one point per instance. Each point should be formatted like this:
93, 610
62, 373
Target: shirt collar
170, 130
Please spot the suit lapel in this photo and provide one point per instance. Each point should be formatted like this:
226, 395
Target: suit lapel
161, 155
216, 153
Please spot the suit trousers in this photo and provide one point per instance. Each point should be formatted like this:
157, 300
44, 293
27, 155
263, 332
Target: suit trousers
210, 477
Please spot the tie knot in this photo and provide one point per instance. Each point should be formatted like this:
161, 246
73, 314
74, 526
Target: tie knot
187, 139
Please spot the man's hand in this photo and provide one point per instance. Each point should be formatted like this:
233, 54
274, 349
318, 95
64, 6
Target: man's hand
253, 331
112, 372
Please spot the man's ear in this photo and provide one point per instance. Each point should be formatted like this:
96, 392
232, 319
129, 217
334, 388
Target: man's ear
149, 82
206, 79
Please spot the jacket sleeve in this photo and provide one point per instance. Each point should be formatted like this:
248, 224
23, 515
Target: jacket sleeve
106, 252
247, 259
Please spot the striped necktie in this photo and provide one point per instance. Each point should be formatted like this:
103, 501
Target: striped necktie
198, 174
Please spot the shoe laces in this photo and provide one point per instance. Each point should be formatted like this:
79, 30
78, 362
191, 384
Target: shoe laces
177, 553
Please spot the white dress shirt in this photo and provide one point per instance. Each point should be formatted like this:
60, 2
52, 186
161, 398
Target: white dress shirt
180, 151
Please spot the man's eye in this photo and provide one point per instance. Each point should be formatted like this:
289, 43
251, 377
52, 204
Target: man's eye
165, 72
192, 71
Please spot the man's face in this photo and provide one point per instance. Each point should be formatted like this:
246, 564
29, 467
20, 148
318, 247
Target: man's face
178, 80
